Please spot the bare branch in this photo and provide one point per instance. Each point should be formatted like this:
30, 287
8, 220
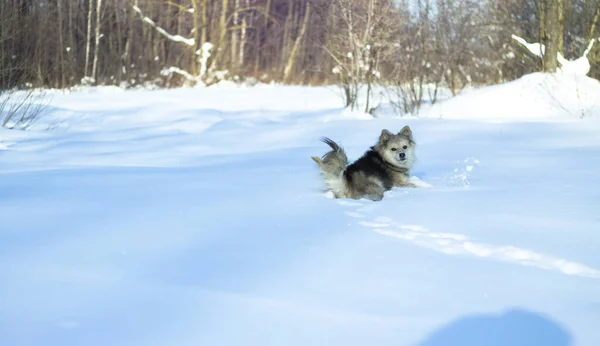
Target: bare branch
176, 38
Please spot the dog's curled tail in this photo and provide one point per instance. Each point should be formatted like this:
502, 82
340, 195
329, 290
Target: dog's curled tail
332, 165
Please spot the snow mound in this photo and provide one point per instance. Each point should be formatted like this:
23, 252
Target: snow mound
535, 96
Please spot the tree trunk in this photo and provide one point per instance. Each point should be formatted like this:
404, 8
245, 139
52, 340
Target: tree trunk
286, 32
234, 39
264, 30
128, 60
289, 68
120, 50
542, 33
592, 32
561, 26
222, 36
61, 47
97, 43
551, 35
243, 39
198, 35
72, 52
205, 23
88, 39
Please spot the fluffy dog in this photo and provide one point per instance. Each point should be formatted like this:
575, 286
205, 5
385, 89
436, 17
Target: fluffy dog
385, 165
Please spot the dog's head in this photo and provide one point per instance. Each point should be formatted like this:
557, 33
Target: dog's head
397, 149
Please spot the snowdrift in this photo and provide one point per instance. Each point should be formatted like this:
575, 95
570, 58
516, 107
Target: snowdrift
537, 96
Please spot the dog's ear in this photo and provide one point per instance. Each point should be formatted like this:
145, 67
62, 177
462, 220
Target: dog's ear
385, 135
318, 161
406, 131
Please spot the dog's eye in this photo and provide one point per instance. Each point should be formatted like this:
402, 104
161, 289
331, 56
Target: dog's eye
393, 149
404, 147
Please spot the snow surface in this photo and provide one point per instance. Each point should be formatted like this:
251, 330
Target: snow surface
196, 217
537, 96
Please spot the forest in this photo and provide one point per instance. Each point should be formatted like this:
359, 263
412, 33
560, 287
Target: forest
169, 43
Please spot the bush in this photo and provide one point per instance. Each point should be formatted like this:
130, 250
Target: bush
19, 109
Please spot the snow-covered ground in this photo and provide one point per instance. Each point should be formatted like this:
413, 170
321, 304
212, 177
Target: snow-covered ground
196, 217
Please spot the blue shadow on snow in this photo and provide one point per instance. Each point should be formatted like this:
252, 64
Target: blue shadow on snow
515, 327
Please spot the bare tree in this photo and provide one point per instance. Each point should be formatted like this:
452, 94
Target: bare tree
289, 67
360, 33
222, 43
415, 64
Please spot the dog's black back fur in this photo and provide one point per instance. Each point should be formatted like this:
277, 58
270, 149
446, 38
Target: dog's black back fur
371, 163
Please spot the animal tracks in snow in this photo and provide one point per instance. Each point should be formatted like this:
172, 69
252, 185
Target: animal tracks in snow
458, 244
462, 175
461, 245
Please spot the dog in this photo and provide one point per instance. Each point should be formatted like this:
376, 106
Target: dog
385, 165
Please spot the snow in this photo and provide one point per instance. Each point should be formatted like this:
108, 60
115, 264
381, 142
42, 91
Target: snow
169, 71
196, 217
204, 54
536, 48
534, 97
580, 66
